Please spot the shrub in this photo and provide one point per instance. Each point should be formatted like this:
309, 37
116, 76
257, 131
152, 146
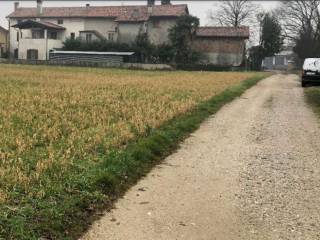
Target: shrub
178, 50
97, 45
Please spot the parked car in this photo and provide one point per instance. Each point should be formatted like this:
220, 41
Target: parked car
310, 71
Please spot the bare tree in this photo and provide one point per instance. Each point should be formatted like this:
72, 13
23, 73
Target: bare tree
301, 24
234, 13
300, 16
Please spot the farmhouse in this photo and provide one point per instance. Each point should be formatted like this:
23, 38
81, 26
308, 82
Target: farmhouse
4, 34
34, 32
224, 46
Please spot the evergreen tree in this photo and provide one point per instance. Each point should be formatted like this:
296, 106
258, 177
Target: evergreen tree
271, 38
181, 36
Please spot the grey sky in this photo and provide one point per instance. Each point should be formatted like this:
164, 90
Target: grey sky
197, 8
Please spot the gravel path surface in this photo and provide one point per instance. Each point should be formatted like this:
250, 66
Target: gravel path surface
252, 171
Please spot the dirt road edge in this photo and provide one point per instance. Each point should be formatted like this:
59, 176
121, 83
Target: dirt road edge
121, 169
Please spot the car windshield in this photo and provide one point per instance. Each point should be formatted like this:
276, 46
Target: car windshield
312, 63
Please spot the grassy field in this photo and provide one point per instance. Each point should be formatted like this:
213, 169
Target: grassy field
66, 134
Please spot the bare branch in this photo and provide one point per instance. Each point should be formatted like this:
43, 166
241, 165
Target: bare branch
234, 13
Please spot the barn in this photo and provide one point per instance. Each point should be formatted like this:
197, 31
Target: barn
221, 46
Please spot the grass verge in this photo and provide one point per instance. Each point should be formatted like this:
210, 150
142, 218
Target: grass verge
312, 96
69, 217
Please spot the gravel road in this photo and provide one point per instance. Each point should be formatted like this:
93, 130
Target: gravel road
252, 171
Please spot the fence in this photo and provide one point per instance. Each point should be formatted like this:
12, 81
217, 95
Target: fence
90, 64
76, 58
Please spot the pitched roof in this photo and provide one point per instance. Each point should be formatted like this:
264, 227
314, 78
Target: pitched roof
3, 29
236, 32
41, 24
120, 13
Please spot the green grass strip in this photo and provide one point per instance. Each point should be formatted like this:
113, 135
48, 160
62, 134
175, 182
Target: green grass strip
99, 187
313, 98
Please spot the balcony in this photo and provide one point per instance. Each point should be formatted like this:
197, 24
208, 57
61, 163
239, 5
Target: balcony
41, 37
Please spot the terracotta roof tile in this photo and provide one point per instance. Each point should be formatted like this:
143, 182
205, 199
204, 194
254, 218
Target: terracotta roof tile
120, 13
239, 32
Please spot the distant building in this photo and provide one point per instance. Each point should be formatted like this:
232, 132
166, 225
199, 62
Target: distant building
222, 46
35, 31
285, 60
4, 38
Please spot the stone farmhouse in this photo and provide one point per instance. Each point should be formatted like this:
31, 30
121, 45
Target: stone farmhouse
4, 39
36, 31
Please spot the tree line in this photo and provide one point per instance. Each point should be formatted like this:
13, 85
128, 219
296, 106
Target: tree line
295, 23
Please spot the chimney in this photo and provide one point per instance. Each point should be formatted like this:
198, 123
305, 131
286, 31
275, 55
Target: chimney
87, 5
39, 7
16, 6
151, 2
165, 2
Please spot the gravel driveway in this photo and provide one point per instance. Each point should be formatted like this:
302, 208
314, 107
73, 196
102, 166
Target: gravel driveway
252, 171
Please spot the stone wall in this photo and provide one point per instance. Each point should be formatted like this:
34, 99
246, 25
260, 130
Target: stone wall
220, 51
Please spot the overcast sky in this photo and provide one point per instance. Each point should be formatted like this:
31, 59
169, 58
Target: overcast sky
197, 8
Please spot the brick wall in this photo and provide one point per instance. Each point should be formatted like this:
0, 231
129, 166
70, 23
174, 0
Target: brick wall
221, 45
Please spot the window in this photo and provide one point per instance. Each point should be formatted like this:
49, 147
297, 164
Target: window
18, 36
32, 54
37, 34
60, 21
72, 36
88, 37
52, 35
111, 36
156, 23
16, 53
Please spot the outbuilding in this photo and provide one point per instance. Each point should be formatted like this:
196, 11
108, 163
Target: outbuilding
79, 58
221, 46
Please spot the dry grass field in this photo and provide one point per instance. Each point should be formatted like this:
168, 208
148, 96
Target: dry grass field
58, 123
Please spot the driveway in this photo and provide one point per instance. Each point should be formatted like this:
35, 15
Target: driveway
252, 171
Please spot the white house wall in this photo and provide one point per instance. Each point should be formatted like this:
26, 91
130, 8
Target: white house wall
72, 25
158, 30
38, 44
129, 31
42, 45
101, 25
52, 43
13, 36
